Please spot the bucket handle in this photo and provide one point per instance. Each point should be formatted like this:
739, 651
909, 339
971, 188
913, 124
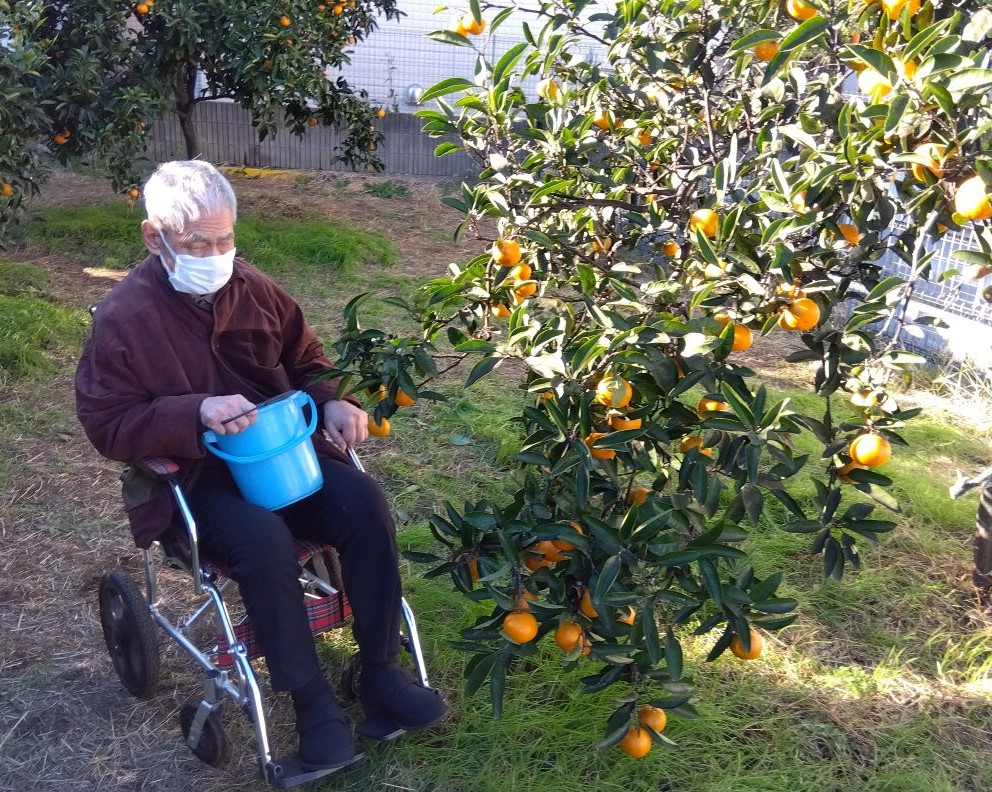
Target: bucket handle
302, 398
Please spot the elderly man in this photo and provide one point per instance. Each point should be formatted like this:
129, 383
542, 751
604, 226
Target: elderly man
191, 339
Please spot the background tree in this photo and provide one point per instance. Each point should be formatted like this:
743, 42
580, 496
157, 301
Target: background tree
87, 78
718, 177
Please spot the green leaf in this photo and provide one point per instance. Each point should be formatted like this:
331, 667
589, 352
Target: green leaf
508, 61
450, 85
481, 369
445, 149
973, 80
753, 38
673, 654
477, 669
808, 31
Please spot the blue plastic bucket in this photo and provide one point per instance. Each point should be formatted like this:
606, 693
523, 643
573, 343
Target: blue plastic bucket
273, 461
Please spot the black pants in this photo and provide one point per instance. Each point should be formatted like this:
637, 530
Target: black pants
350, 513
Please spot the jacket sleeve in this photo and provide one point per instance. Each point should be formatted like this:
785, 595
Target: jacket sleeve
303, 356
122, 419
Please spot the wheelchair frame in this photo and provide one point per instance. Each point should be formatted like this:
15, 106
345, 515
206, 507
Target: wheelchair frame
128, 619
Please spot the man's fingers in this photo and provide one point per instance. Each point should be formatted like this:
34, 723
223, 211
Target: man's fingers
335, 436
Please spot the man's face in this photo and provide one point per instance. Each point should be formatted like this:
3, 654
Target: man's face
211, 235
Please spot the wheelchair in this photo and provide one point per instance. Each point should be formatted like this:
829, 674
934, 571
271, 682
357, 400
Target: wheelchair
129, 618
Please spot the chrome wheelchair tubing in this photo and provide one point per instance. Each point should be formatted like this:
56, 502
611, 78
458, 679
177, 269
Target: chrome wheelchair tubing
414, 638
150, 577
318, 582
253, 704
199, 613
194, 540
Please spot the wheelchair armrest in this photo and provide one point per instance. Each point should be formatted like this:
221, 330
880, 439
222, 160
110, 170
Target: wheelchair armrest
161, 468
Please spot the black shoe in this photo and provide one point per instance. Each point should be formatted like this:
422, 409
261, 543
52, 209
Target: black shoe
325, 739
394, 702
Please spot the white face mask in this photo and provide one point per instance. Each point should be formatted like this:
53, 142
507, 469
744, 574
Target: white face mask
199, 274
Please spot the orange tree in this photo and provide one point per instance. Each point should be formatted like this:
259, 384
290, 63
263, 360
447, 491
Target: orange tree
726, 169
86, 78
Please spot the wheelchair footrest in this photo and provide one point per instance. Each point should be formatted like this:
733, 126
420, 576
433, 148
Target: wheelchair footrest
323, 613
291, 772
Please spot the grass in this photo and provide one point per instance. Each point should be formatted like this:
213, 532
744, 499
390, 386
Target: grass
388, 189
32, 328
882, 684
106, 235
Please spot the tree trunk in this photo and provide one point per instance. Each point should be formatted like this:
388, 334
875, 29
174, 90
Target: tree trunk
185, 105
982, 574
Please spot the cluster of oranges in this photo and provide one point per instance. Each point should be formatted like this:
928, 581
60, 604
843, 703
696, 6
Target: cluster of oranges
614, 393
61, 138
382, 428
506, 253
144, 7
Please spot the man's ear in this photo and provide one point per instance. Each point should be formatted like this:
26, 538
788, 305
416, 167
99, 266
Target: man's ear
150, 236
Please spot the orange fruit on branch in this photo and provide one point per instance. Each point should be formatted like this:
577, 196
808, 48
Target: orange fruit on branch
653, 717
620, 423
766, 50
972, 199
521, 272
636, 742
705, 220
598, 453
613, 392
285, 21
757, 645
547, 89
671, 248
6, 190
706, 405
568, 635
602, 119
874, 84
638, 495
894, 7
743, 337
523, 291
802, 314
799, 10
403, 399
934, 152
585, 605
506, 252
474, 26
379, 429
520, 627
870, 450
850, 233
695, 441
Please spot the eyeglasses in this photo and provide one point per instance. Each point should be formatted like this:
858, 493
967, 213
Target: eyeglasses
198, 246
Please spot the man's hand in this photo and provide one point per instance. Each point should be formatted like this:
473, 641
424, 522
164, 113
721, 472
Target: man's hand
345, 423
214, 410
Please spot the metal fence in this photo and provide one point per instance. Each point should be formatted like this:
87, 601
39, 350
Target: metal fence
226, 136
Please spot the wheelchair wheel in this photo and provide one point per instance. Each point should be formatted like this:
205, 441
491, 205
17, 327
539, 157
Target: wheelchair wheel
130, 633
213, 747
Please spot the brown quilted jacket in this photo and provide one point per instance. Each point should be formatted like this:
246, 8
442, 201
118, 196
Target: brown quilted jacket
153, 355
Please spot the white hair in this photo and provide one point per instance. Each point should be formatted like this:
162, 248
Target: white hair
179, 193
